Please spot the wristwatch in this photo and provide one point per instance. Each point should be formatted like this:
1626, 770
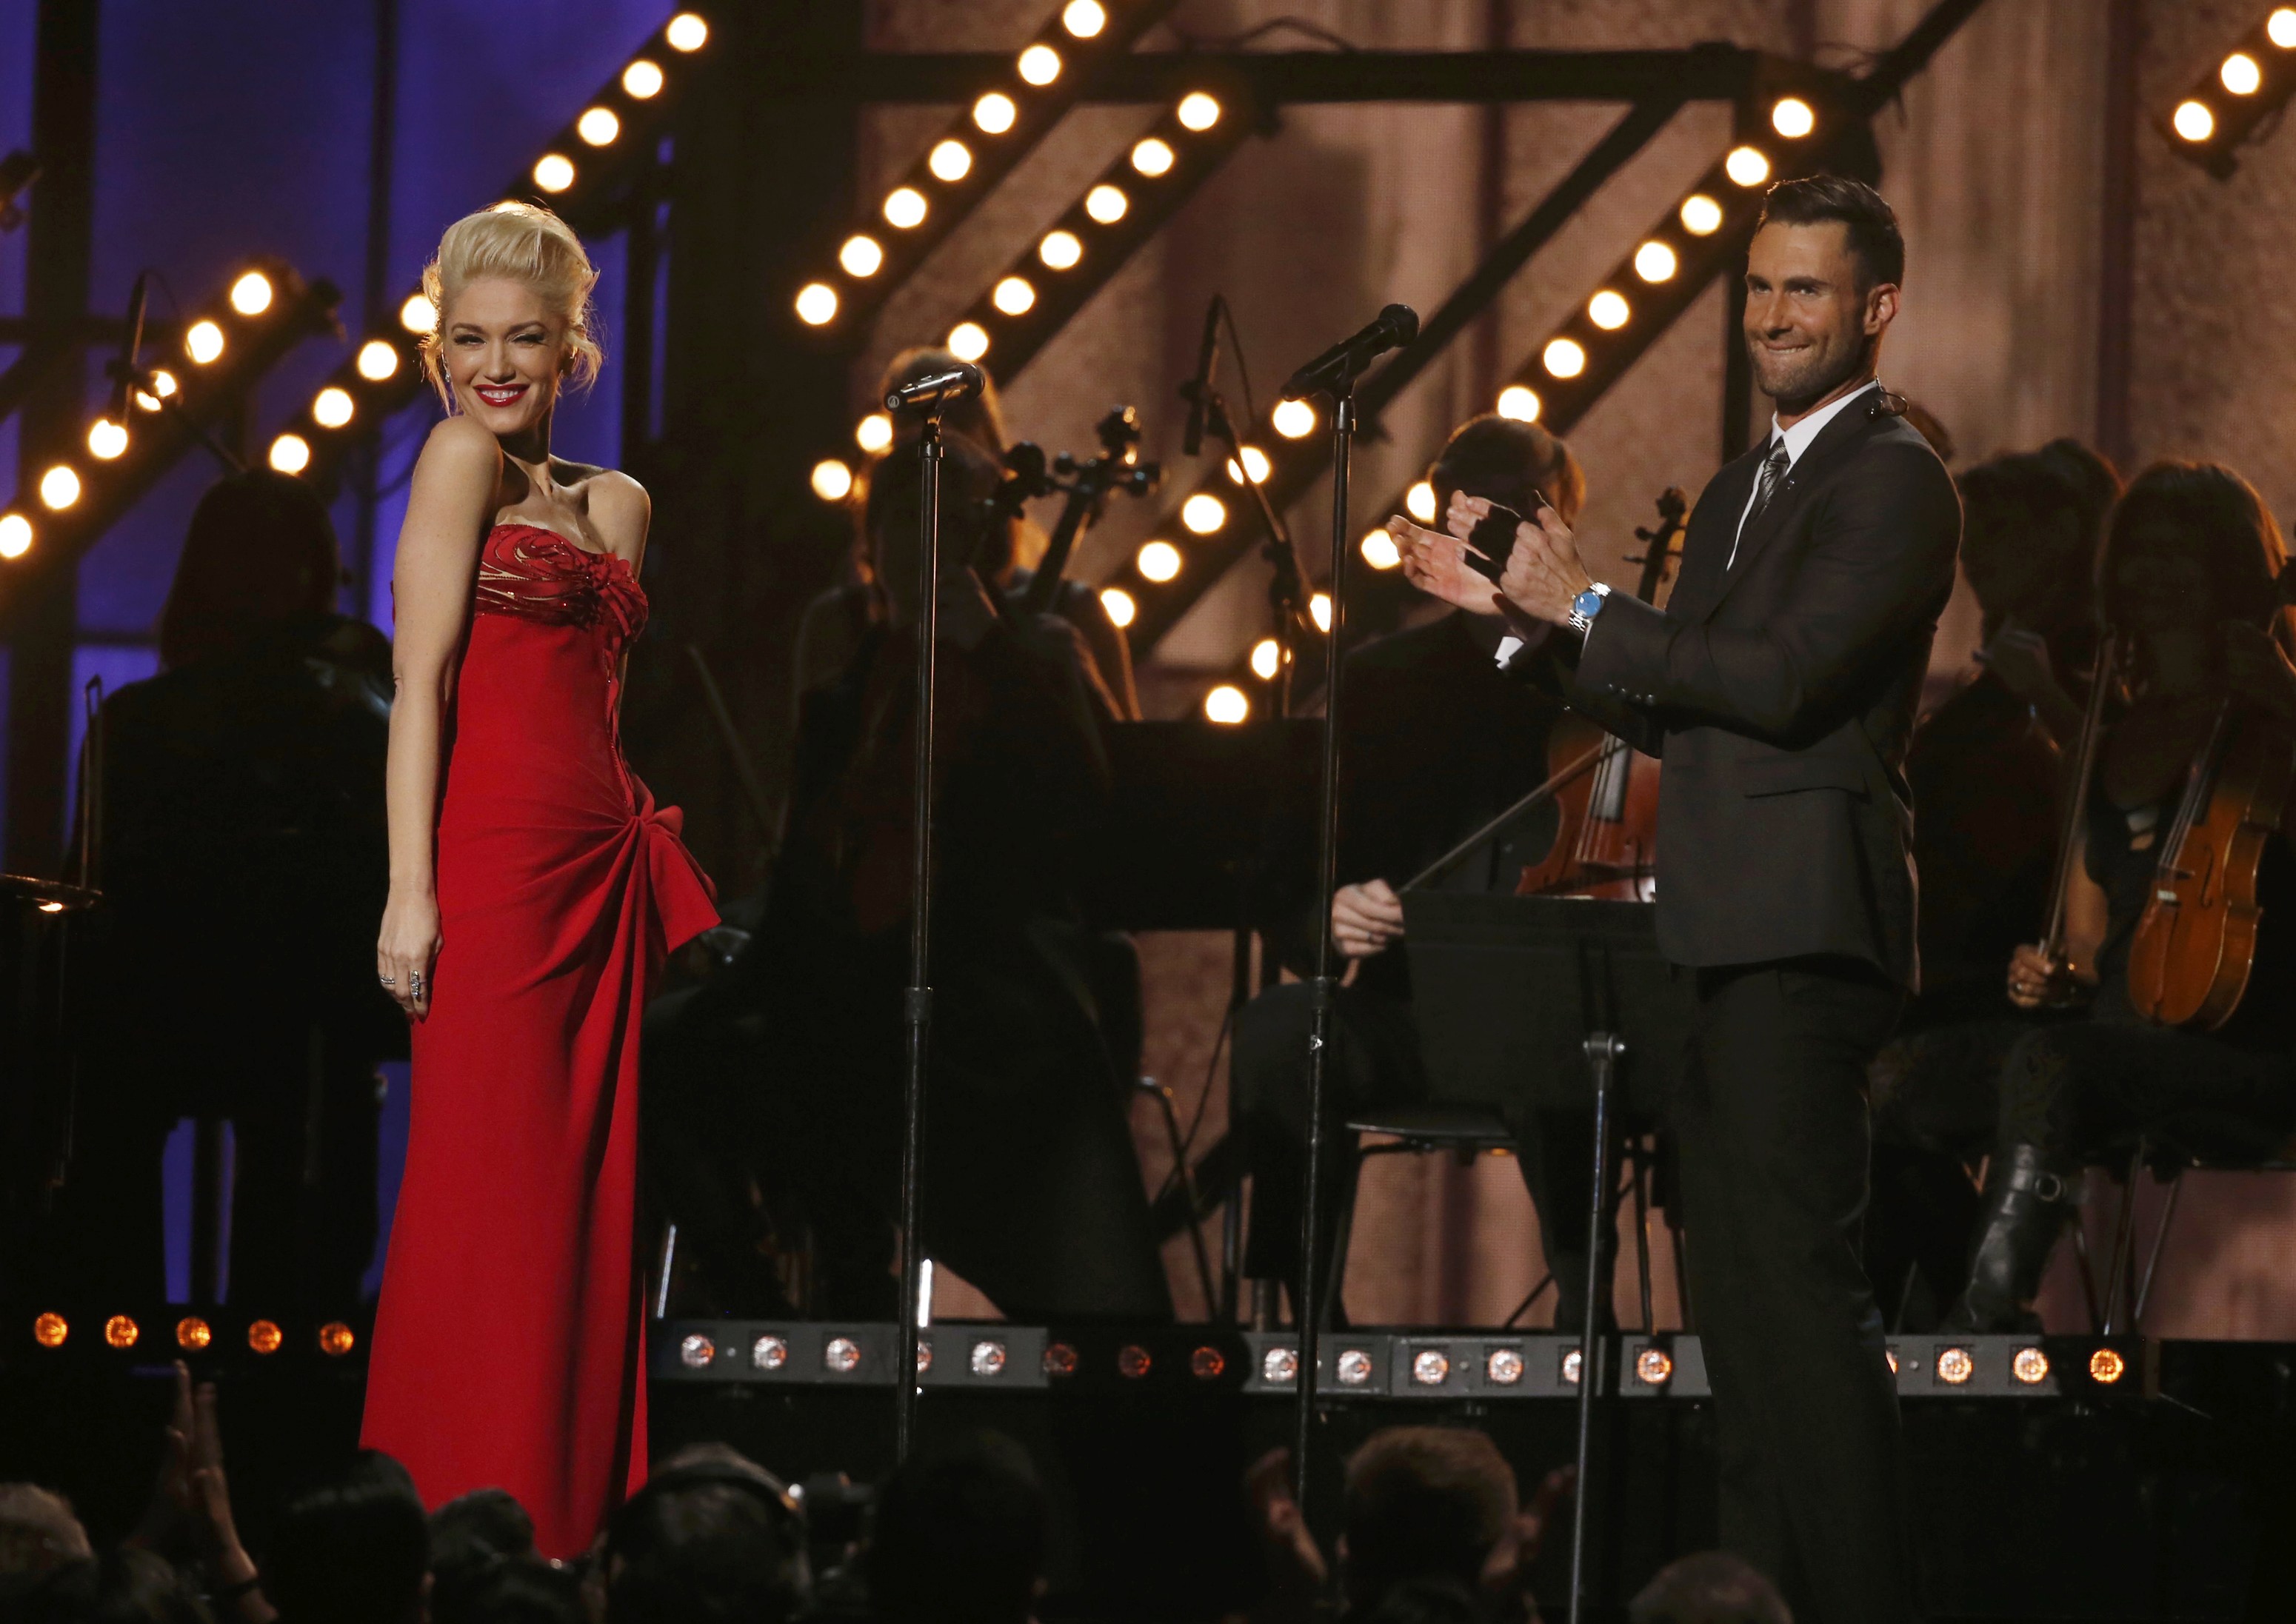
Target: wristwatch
1586, 606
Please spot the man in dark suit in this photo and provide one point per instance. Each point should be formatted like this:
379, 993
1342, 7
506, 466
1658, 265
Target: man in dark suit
1779, 687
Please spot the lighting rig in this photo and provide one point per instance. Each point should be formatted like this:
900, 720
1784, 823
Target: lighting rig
1077, 254
580, 174
63, 504
202, 1336
2223, 111
1003, 125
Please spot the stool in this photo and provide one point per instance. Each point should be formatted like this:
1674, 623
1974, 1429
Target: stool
1466, 1132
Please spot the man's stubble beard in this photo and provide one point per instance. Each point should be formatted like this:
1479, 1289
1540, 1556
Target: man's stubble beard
1805, 385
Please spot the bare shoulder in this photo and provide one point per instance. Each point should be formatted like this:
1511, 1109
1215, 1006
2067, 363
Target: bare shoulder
459, 444
620, 511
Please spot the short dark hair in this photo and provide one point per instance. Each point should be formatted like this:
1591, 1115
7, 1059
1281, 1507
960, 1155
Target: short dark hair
354, 1549
1424, 1503
1504, 459
1875, 239
1708, 1587
260, 551
712, 1538
958, 1537
970, 475
2232, 531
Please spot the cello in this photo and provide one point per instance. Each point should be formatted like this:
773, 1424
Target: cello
1606, 833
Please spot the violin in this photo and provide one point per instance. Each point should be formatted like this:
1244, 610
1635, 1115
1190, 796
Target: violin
1606, 836
2195, 943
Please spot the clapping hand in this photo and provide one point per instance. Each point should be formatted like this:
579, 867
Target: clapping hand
1544, 575
1437, 564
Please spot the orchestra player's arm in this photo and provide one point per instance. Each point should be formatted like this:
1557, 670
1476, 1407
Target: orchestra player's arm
453, 495
1879, 564
2037, 980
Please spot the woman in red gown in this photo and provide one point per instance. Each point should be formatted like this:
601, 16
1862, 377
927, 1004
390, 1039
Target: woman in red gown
535, 889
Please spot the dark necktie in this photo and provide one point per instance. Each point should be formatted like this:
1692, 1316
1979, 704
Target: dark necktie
1766, 486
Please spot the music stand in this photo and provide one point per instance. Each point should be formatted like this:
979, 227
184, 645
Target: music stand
1537, 1001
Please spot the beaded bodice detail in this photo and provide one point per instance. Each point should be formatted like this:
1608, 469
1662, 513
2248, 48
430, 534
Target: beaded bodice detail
538, 575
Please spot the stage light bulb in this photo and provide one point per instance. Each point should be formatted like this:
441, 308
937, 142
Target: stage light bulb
686, 32
1518, 403
1014, 296
1227, 705
1654, 261
1702, 215
1748, 166
106, 439
2106, 1365
193, 1333
1198, 111
1255, 464
418, 314
598, 126
1061, 1360
2241, 75
121, 1331
2193, 121
378, 360
1653, 1366
832, 480
987, 1358
1564, 359
642, 80
1203, 512
50, 1330
949, 161
60, 487
905, 206
1293, 419
290, 453
1319, 610
15, 534
1039, 65
264, 1336
1206, 1363
1793, 117
332, 407
1266, 658
1158, 561
994, 113
204, 342
1118, 605
2280, 28
1085, 19
968, 341
1353, 1367
1059, 250
250, 295
1380, 551
2030, 1365
1151, 157
163, 386
769, 1352
817, 304
1503, 1366
861, 256
1608, 310
1419, 502
1955, 1366
553, 172
1280, 1367
1105, 204
696, 1352
336, 1339
873, 433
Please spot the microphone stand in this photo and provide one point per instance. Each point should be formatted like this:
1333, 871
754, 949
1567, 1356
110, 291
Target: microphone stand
916, 1001
1325, 985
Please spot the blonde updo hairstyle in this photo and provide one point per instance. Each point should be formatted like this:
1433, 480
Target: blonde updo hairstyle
520, 243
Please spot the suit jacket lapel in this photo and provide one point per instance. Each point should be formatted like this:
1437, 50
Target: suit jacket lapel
1706, 548
1848, 427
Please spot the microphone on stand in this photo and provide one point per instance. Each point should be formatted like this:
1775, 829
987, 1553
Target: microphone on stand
131, 341
1332, 371
1197, 391
938, 391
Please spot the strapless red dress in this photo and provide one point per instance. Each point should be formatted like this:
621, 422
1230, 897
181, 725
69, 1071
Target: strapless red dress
509, 1345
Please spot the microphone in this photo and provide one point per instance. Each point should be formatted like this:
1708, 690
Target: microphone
937, 391
131, 340
1335, 369
1197, 391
